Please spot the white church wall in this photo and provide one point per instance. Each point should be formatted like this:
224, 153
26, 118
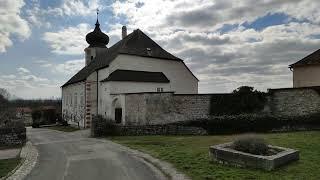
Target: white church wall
117, 87
104, 93
73, 104
108, 91
181, 79
105, 100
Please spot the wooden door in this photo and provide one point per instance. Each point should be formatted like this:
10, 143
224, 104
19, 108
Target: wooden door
118, 115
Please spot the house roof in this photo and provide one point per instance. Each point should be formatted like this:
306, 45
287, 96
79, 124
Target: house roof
311, 59
137, 43
137, 76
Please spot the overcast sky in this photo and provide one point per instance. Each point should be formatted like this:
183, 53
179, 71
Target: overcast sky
226, 43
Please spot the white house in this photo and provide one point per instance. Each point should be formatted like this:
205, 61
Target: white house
135, 64
306, 72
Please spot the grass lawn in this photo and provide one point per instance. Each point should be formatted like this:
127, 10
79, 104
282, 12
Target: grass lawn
8, 165
189, 154
64, 128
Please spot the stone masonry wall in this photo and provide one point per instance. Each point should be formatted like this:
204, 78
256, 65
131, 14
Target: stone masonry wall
159, 130
100, 128
12, 136
294, 101
149, 108
166, 108
194, 106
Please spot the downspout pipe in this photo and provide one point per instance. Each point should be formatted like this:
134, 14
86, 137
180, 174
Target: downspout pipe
97, 91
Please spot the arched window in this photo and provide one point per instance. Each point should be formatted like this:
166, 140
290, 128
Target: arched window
75, 99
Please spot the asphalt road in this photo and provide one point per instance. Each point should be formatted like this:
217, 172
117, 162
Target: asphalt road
73, 156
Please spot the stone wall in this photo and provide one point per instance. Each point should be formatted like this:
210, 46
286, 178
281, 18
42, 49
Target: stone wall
159, 130
12, 136
292, 102
100, 127
165, 108
150, 108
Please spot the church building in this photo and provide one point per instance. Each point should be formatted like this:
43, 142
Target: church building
135, 64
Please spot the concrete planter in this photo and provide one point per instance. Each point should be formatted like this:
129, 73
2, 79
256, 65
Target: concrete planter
223, 154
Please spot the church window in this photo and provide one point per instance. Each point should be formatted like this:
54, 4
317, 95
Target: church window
75, 99
81, 99
159, 89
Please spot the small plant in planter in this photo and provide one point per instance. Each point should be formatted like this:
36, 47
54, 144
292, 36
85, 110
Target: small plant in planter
251, 144
252, 151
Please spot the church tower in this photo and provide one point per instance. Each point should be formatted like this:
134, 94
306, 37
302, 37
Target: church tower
97, 41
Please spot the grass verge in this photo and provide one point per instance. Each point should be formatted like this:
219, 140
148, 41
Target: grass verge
7, 165
189, 154
64, 128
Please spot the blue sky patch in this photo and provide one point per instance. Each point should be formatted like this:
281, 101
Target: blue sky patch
266, 21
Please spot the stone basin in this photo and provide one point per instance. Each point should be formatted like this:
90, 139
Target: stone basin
222, 153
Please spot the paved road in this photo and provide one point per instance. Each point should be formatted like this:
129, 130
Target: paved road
73, 156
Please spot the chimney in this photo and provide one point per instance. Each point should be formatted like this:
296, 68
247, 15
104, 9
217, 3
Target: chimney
124, 31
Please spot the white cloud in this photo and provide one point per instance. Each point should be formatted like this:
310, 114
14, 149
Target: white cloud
190, 29
80, 7
69, 41
25, 85
67, 68
76, 8
23, 70
36, 15
11, 23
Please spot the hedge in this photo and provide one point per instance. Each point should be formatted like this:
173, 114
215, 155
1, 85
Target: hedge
237, 103
253, 123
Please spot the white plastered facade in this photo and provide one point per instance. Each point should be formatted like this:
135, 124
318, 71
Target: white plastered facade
111, 94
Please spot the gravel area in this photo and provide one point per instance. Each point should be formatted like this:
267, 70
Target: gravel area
29, 156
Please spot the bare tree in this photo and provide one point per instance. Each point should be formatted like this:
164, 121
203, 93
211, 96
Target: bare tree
4, 93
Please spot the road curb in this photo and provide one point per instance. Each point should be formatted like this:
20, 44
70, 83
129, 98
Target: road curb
165, 167
29, 155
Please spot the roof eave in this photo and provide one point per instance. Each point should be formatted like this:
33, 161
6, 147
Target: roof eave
177, 59
107, 80
67, 84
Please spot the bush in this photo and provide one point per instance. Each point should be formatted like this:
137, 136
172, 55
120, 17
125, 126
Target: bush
49, 116
110, 127
251, 144
60, 120
253, 123
243, 100
102, 126
36, 118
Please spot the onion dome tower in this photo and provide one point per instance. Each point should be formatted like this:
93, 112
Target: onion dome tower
97, 38
97, 41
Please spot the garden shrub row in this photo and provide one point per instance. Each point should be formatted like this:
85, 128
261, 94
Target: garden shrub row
253, 123
243, 100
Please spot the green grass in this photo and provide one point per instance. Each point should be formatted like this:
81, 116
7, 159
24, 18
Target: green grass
8, 165
64, 128
189, 154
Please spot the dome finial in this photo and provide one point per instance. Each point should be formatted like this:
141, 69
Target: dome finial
97, 23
